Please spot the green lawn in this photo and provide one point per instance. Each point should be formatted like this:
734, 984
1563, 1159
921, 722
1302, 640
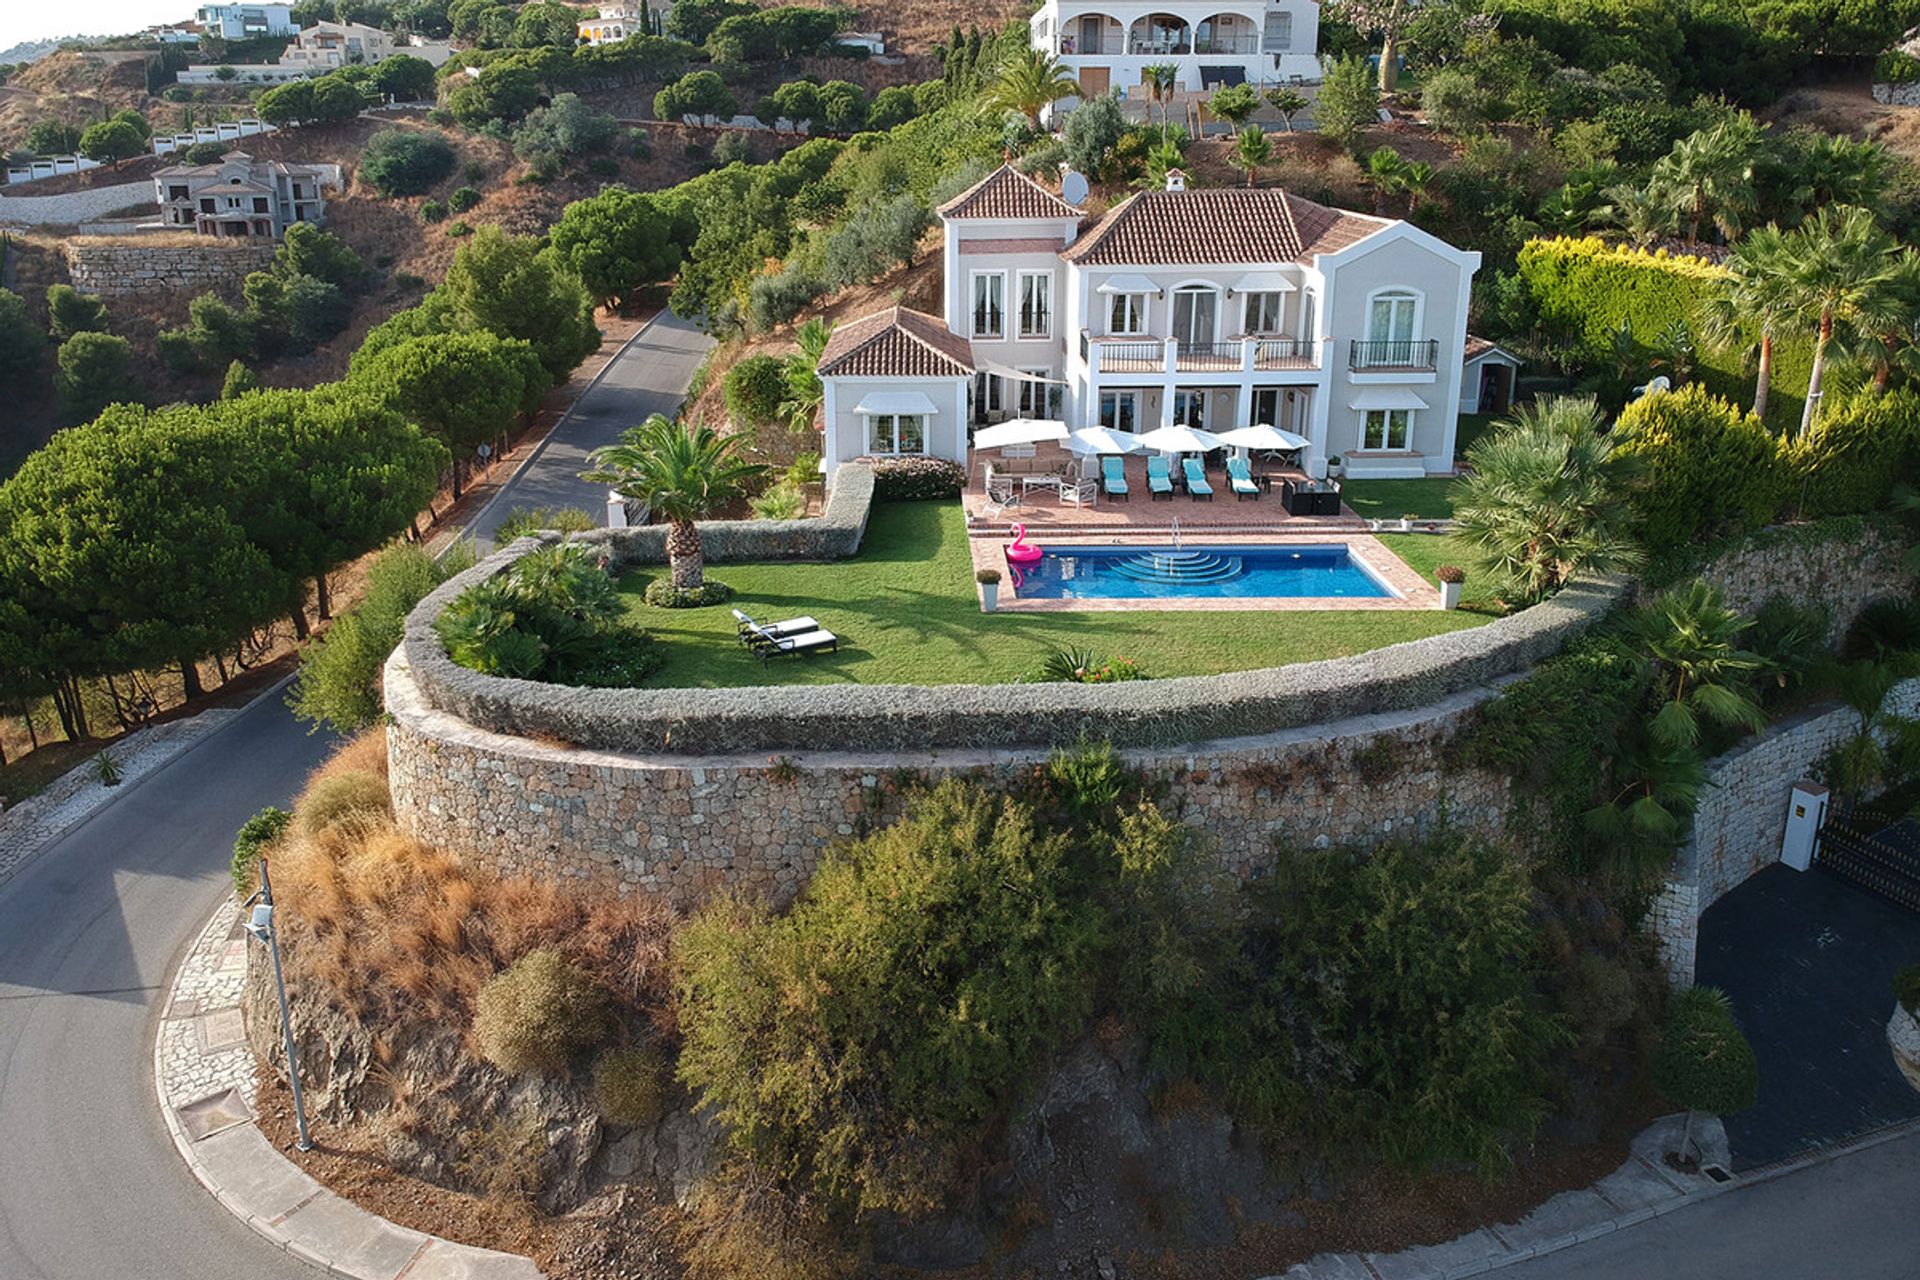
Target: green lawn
1391, 499
906, 612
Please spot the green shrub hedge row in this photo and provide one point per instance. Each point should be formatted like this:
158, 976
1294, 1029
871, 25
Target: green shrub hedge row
915, 479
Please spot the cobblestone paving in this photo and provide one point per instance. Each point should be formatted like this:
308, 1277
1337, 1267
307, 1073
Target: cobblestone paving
203, 1050
39, 820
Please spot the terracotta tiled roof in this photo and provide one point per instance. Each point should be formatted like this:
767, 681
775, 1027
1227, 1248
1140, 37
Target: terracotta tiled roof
896, 343
1218, 226
1477, 347
1007, 193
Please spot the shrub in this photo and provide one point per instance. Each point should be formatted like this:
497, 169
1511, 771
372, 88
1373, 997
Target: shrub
618, 659
1081, 666
1704, 1063
916, 479
69, 312
1896, 66
401, 162
774, 300
521, 521
1707, 468
96, 370
631, 1086
1855, 454
1450, 573
458, 230
986, 577
433, 211
753, 390
661, 593
238, 381
351, 795
781, 502
535, 621
338, 683
1906, 989
257, 834
1883, 630
539, 1013
206, 152
463, 199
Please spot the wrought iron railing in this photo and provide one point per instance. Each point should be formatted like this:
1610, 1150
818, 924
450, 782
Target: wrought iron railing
1285, 353
1397, 353
1208, 355
1130, 356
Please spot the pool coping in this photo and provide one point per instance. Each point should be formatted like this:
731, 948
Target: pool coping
1414, 591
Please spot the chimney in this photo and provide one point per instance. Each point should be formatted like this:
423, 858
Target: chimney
1176, 179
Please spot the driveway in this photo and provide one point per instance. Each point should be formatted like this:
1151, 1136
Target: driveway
650, 375
90, 1184
1807, 960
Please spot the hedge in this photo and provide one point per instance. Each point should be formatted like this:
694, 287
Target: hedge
1590, 287
916, 479
1710, 468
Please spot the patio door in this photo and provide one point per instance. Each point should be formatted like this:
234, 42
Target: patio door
1194, 313
1120, 410
1092, 27
1282, 407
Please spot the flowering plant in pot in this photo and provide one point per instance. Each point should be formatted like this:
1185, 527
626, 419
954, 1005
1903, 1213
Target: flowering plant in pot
1451, 576
989, 583
1406, 521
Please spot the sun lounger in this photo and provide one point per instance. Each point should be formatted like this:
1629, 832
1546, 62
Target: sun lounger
1241, 474
1196, 474
1159, 477
767, 646
1113, 477
791, 627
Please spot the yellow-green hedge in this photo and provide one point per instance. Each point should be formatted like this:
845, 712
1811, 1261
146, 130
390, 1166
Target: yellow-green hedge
1590, 287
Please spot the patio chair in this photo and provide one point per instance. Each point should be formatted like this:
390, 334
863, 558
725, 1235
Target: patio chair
1001, 492
768, 646
1240, 473
1079, 493
1159, 477
1196, 475
791, 627
1113, 477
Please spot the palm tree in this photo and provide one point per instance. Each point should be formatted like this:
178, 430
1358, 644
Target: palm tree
1638, 212
1031, 81
1701, 672
1845, 278
1250, 150
1756, 292
800, 401
1387, 171
1288, 102
1416, 179
1160, 78
1709, 176
1837, 170
682, 473
1545, 500
1888, 336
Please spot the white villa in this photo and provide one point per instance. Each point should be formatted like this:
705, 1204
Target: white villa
241, 21
1109, 44
243, 198
328, 46
617, 20
1215, 308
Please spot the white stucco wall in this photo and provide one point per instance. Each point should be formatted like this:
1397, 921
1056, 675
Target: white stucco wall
845, 436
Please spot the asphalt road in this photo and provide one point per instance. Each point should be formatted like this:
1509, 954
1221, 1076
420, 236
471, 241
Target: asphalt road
650, 376
90, 1185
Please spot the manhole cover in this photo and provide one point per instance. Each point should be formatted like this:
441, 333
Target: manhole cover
221, 1029
210, 1115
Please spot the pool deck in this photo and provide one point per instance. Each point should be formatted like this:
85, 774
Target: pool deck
1261, 521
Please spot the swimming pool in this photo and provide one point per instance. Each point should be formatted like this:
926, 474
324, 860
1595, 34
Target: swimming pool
1316, 571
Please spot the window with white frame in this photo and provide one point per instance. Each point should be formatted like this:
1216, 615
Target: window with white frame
1278, 36
1036, 304
896, 433
1120, 410
1037, 397
1264, 311
1391, 317
1387, 429
1190, 408
990, 304
1309, 315
1128, 314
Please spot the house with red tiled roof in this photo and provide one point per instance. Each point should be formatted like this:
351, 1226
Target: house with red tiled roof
1215, 308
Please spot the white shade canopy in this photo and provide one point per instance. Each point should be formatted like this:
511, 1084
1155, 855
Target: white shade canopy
890, 403
1127, 284
1104, 440
1262, 436
1012, 374
1178, 439
1263, 282
1387, 398
1019, 431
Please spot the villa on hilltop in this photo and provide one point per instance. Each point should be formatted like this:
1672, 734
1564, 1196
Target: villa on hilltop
1214, 308
243, 198
1108, 44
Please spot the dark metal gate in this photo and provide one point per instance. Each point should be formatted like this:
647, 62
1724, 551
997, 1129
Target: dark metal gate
1874, 849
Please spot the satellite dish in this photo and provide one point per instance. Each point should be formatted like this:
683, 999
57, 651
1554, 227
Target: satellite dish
1073, 188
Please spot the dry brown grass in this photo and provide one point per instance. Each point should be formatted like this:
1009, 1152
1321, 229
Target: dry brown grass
403, 932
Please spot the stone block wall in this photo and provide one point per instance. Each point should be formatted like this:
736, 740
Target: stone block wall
1741, 818
1843, 573
684, 827
118, 266
1905, 94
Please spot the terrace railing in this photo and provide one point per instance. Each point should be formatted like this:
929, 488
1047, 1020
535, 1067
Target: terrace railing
1416, 354
1237, 355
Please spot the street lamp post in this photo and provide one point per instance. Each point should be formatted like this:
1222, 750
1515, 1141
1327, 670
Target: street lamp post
260, 926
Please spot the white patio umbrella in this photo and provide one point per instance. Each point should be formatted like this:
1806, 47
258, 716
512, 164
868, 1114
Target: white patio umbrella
1103, 440
1019, 431
1179, 439
1262, 436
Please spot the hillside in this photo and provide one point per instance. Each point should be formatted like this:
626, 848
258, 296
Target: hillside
78, 88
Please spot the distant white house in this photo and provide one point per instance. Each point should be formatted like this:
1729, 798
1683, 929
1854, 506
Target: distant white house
165, 144
243, 198
328, 46
173, 33
617, 20
1108, 44
243, 21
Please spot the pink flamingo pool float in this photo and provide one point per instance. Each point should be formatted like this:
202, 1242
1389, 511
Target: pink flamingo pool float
1018, 551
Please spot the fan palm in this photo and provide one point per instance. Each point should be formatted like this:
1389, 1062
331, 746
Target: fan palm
1251, 149
1545, 500
802, 395
1160, 77
1757, 292
1387, 170
1031, 81
1709, 175
1837, 170
1702, 673
682, 473
1639, 212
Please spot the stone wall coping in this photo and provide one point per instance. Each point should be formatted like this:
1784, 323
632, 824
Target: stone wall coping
788, 718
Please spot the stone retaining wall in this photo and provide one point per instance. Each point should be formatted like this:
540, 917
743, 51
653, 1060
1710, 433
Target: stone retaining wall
117, 266
1842, 573
1741, 818
69, 207
685, 826
1905, 94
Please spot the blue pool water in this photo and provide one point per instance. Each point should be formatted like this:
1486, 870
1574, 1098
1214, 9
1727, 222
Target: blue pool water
1162, 573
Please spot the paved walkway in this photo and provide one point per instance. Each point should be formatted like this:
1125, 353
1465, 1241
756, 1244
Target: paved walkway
204, 1074
1807, 961
39, 820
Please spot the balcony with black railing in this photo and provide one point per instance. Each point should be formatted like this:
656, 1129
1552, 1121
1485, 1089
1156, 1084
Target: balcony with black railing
1125, 354
1409, 355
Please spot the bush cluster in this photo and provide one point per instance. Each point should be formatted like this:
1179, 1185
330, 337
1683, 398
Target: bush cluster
403, 162
539, 1013
662, 594
257, 834
339, 683
632, 1085
521, 521
337, 799
915, 479
553, 616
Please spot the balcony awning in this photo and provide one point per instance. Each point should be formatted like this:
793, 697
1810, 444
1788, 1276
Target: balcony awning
1263, 282
1012, 374
1387, 398
895, 402
1127, 284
